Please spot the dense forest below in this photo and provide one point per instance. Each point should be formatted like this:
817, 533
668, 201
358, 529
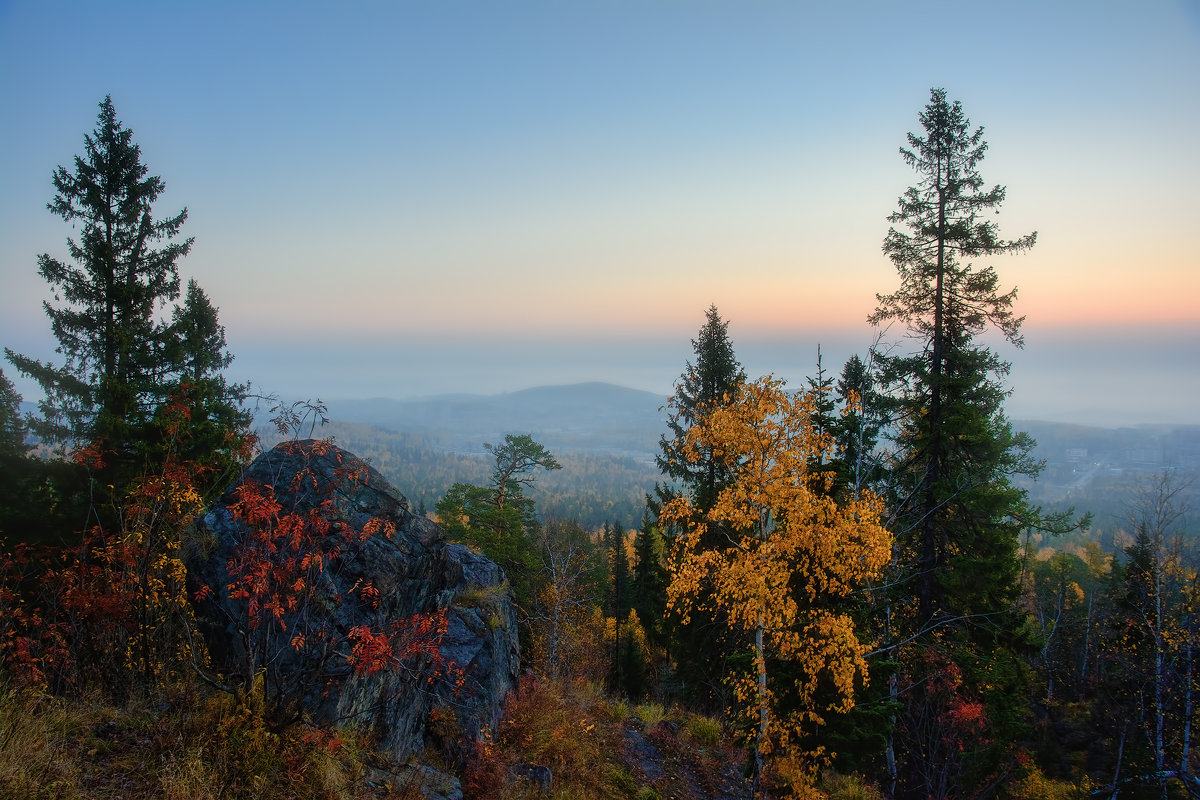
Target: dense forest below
607, 438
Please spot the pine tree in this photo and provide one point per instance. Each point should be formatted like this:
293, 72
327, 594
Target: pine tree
956, 512
516, 460
499, 519
124, 273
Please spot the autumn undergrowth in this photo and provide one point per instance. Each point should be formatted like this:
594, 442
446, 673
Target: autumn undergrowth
597, 746
198, 744
202, 745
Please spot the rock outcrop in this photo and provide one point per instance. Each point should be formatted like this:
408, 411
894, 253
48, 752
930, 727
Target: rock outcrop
412, 570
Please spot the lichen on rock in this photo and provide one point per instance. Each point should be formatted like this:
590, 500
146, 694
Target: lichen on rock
411, 571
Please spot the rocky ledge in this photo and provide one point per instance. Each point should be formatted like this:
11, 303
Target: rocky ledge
410, 569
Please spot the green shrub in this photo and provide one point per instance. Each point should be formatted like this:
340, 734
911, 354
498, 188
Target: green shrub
847, 787
701, 730
651, 714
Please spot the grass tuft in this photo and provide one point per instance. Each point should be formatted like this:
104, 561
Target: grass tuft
701, 730
650, 714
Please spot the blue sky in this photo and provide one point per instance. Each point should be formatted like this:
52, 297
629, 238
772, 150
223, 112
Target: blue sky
412, 197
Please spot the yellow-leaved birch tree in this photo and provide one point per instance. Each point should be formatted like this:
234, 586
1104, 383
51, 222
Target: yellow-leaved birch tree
794, 551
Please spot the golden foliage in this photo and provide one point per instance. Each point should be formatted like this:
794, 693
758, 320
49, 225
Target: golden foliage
790, 549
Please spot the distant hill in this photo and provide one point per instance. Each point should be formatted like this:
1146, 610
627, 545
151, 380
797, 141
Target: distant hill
598, 418
605, 436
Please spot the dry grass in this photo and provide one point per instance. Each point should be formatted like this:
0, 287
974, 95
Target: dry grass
206, 748
39, 739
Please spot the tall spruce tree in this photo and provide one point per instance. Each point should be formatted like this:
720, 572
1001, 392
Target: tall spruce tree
707, 383
195, 351
857, 431
40, 499
107, 303
649, 581
618, 598
700, 646
12, 426
824, 417
619, 578
955, 511
13, 452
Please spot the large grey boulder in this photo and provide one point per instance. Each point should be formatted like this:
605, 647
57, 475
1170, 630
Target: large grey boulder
414, 571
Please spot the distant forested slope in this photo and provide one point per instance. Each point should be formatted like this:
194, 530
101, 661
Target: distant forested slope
1101, 470
591, 488
606, 438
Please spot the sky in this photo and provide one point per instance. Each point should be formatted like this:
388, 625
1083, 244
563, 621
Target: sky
408, 198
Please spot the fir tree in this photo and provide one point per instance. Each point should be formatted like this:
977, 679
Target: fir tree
631, 660
619, 580
13, 452
701, 645
196, 352
955, 510
649, 584
824, 419
618, 598
12, 426
123, 274
857, 432
706, 384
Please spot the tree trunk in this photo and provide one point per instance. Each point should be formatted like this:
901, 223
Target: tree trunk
1159, 679
764, 713
1185, 751
933, 469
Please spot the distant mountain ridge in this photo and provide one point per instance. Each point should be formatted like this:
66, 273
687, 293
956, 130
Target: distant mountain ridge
594, 417
605, 418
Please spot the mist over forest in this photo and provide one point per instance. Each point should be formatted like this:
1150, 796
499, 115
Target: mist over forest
608, 436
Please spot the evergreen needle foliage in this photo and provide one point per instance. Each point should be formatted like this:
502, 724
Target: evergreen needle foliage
956, 511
